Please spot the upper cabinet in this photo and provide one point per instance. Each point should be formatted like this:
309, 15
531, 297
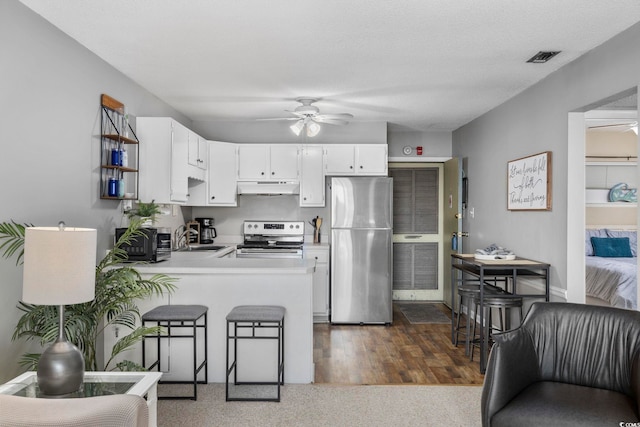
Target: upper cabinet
268, 162
198, 151
311, 176
164, 174
177, 166
356, 159
119, 154
222, 184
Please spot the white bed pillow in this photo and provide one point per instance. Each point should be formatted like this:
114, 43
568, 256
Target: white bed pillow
631, 234
596, 232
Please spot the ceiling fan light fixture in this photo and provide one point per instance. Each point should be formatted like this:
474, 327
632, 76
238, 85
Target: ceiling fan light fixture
297, 127
313, 129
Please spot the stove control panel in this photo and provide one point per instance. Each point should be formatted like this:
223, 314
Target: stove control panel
274, 228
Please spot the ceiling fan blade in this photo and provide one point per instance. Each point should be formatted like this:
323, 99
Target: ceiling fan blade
339, 116
297, 113
325, 120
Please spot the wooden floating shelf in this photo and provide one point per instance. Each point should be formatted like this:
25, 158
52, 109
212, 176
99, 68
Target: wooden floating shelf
118, 198
118, 138
119, 168
111, 103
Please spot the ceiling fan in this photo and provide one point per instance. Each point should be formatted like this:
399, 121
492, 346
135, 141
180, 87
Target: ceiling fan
308, 116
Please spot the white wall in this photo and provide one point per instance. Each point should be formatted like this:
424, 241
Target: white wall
50, 88
531, 122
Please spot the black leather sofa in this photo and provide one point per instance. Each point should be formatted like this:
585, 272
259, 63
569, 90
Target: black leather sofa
566, 365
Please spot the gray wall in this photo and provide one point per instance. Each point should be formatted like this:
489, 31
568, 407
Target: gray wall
50, 90
532, 122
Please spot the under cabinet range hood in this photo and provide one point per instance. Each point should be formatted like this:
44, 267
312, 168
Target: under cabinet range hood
268, 187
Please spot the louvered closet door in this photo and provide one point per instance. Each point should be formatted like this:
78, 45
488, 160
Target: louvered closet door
416, 224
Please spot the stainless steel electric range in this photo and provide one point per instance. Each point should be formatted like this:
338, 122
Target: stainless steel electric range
271, 239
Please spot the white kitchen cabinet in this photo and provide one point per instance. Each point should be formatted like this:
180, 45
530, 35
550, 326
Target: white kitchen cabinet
311, 176
266, 162
164, 175
356, 159
284, 161
371, 159
253, 162
339, 159
320, 281
197, 151
222, 189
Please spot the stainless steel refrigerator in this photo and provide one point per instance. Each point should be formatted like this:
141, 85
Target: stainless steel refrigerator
361, 250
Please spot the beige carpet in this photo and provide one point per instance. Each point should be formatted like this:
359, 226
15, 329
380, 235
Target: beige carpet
330, 405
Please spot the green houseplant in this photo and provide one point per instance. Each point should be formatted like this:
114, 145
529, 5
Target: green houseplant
145, 211
118, 286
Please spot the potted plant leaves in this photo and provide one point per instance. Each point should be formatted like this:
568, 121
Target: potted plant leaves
147, 212
118, 288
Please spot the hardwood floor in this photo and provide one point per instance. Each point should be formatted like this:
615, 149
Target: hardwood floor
398, 354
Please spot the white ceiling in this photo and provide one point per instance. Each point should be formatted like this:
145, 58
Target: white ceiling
417, 64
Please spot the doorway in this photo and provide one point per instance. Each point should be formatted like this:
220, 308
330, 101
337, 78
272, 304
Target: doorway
417, 227
584, 172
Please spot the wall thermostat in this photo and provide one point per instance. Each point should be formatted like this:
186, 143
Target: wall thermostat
407, 150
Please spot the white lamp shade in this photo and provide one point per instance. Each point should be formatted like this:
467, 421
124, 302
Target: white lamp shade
312, 129
297, 127
59, 265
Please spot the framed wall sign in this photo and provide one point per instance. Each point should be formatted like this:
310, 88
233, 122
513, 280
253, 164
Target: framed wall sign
529, 183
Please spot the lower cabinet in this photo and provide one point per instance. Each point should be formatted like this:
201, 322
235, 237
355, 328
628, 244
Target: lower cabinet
320, 281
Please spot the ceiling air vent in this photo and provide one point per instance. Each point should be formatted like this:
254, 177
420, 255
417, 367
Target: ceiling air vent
542, 56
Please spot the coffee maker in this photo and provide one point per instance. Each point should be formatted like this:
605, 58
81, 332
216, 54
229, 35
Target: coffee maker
207, 231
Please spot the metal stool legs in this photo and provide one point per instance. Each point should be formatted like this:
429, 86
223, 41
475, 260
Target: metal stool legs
491, 302
179, 317
254, 321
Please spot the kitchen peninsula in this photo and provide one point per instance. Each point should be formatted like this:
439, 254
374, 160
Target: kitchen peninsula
221, 284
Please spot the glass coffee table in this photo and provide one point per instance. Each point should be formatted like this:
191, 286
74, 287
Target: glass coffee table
144, 384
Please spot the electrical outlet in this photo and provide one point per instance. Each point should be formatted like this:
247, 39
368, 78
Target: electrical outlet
117, 331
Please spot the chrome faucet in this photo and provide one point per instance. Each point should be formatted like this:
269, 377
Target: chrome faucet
181, 237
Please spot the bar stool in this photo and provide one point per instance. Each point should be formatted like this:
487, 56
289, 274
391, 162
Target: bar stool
179, 317
467, 294
252, 319
490, 302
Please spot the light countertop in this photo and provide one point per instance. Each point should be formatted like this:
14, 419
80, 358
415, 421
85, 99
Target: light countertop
205, 262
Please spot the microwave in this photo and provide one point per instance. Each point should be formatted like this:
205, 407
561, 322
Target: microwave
154, 246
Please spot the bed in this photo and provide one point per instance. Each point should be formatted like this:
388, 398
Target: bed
610, 279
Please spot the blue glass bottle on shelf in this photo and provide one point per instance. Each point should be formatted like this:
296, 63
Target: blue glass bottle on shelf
115, 157
112, 190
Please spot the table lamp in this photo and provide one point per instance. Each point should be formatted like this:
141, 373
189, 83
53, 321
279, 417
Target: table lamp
59, 269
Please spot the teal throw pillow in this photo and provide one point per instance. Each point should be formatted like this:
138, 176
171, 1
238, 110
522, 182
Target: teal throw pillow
613, 247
